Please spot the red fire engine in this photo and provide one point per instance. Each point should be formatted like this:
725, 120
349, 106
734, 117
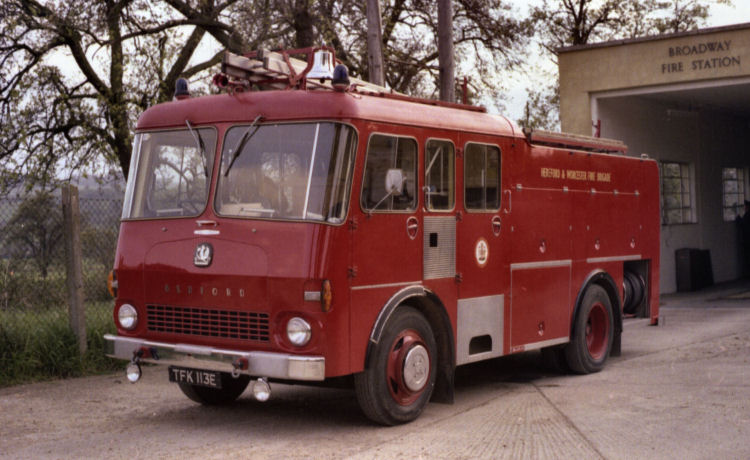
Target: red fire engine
329, 230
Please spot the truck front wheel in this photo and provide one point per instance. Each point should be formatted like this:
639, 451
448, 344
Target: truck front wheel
398, 383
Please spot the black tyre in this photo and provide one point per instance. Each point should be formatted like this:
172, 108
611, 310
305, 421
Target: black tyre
231, 389
593, 332
398, 383
634, 289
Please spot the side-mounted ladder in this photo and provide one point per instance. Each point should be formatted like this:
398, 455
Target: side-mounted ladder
575, 142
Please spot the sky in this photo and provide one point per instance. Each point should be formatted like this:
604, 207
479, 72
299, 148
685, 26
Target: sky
522, 79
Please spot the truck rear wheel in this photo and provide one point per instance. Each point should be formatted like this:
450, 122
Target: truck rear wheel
399, 381
593, 332
231, 389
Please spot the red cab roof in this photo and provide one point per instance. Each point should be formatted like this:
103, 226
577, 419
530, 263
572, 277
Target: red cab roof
320, 104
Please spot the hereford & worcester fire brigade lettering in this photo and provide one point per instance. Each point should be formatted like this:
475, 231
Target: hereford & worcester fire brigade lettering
577, 175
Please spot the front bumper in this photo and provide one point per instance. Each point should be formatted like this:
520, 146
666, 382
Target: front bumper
259, 363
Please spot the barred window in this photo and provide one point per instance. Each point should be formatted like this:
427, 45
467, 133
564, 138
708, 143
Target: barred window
733, 186
677, 194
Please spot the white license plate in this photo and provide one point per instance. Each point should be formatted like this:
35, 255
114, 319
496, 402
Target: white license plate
210, 379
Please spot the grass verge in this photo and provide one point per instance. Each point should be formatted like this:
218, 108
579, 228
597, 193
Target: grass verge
39, 344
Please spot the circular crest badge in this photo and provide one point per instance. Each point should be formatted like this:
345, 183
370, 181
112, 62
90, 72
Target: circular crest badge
482, 252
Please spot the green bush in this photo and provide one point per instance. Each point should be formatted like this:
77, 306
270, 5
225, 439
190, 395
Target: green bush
95, 283
22, 287
40, 345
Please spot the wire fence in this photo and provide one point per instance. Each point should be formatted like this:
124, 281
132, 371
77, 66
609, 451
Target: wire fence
33, 283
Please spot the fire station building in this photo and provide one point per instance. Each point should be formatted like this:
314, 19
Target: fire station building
683, 99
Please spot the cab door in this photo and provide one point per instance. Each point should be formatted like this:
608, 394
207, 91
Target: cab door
386, 231
481, 253
388, 239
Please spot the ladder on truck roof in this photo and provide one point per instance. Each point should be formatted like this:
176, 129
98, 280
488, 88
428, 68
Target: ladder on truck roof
265, 69
575, 142
277, 70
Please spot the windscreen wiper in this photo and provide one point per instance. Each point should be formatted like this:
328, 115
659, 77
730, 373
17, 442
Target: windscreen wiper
241, 144
200, 144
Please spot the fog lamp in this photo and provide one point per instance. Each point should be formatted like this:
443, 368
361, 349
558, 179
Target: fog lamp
127, 315
261, 390
298, 331
133, 371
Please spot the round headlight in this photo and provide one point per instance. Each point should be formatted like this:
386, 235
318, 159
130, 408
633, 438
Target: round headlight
128, 316
298, 331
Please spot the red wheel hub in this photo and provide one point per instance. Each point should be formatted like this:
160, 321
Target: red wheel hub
597, 331
408, 368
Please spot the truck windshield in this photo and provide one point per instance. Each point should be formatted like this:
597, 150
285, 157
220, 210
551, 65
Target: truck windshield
298, 171
169, 173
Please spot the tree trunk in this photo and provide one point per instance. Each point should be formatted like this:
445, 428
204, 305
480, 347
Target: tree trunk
374, 42
303, 24
445, 51
116, 104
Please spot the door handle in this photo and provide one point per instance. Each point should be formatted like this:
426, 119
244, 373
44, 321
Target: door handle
412, 227
496, 225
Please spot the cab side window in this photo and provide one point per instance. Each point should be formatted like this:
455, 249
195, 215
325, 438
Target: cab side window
482, 177
394, 154
439, 175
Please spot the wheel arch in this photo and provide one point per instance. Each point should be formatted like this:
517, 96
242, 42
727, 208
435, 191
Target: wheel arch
433, 309
602, 278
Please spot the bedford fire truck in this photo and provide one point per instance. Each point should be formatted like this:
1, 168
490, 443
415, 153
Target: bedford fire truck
308, 227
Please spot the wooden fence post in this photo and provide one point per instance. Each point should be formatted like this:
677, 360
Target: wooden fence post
74, 265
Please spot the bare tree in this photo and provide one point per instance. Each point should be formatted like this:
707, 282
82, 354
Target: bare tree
684, 15
123, 56
445, 51
374, 42
127, 55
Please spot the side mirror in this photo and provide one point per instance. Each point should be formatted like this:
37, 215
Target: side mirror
394, 182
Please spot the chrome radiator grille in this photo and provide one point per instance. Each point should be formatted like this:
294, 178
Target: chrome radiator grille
204, 322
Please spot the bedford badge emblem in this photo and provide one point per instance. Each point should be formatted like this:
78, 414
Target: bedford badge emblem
204, 254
